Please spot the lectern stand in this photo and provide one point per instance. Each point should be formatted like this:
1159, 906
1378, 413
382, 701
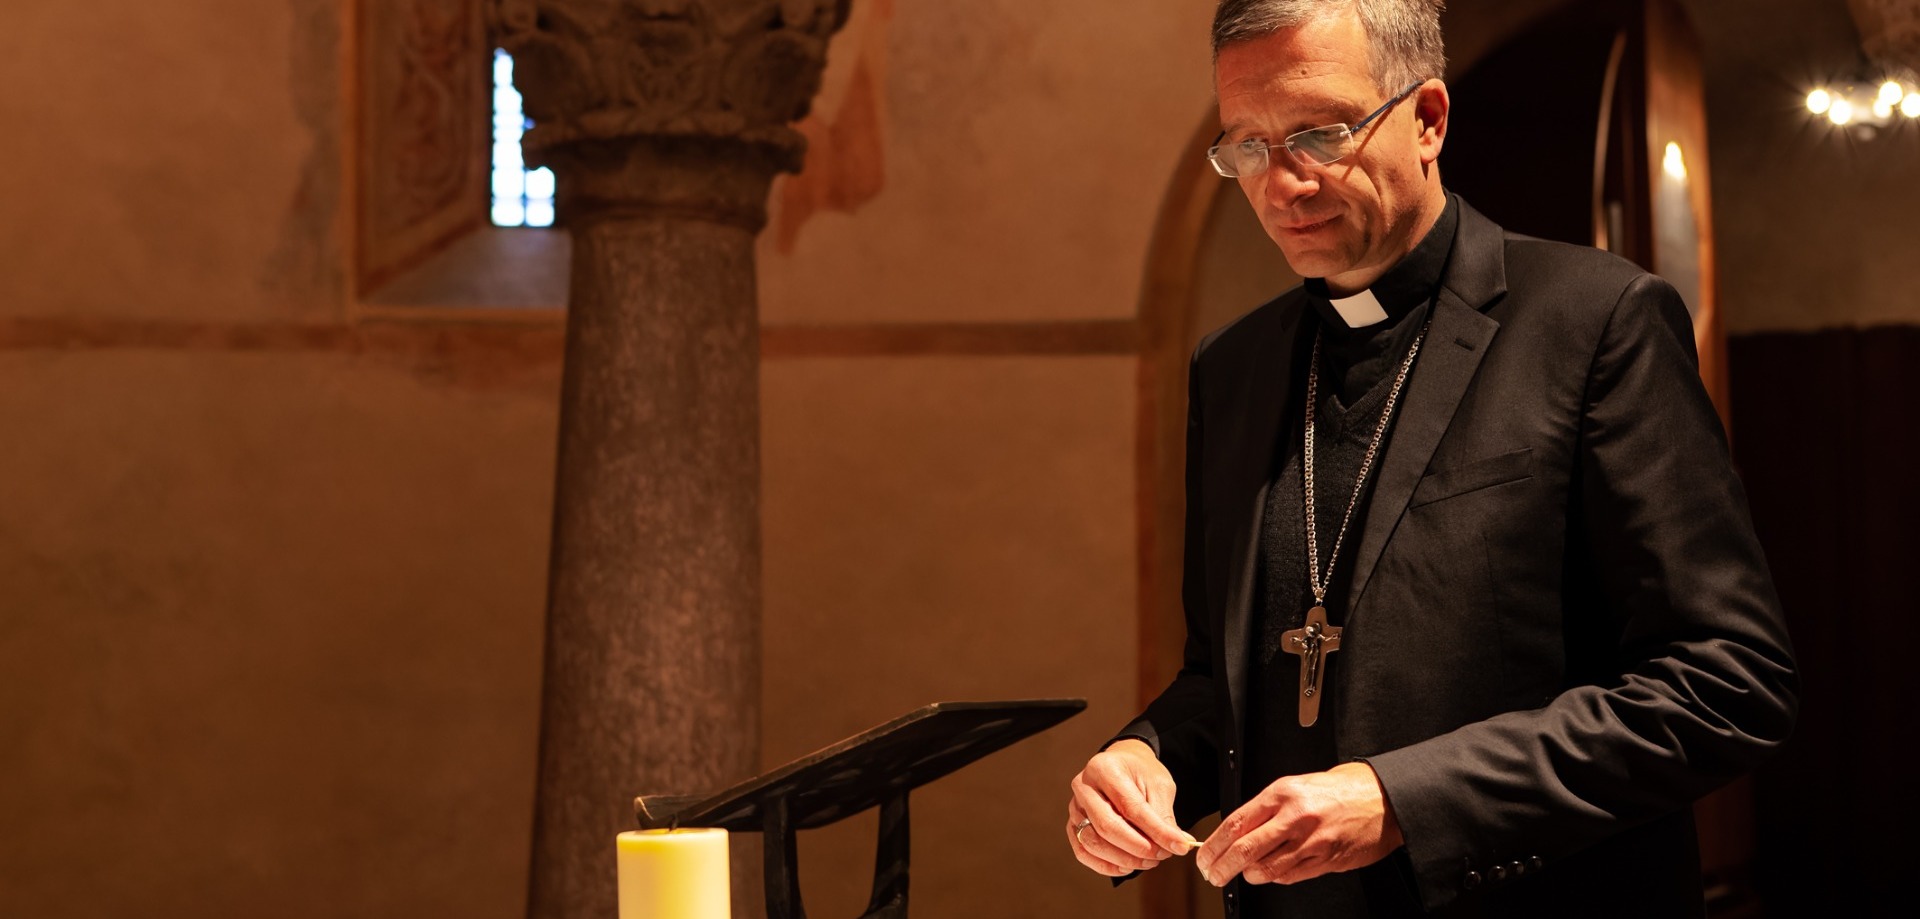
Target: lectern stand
875, 769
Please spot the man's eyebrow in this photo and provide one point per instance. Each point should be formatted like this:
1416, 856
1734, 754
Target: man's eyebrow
1315, 113
1321, 111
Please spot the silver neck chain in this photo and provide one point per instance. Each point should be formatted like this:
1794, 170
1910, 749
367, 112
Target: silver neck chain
1315, 579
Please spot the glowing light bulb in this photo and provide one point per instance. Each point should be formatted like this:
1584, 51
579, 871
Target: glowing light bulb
1819, 101
1841, 112
1910, 107
1675, 164
1882, 109
1890, 93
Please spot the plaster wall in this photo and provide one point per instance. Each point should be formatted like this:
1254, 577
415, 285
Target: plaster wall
952, 529
170, 160
271, 634
1025, 149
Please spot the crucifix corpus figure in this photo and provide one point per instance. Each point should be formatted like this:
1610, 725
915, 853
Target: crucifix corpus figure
1312, 643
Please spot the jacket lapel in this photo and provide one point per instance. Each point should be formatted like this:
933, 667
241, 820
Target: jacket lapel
1259, 403
1455, 344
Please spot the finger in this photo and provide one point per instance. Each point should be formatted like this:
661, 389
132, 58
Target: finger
1277, 862
1081, 841
1154, 823
1082, 838
1108, 852
1252, 846
1161, 800
1298, 865
1098, 864
1142, 818
1249, 816
1283, 864
1160, 834
1160, 793
1134, 790
1109, 825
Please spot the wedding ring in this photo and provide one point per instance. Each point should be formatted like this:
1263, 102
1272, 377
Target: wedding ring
1081, 829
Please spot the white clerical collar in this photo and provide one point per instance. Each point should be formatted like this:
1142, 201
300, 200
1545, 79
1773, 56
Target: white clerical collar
1360, 310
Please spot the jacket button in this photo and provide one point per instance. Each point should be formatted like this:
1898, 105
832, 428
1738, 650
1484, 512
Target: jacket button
1519, 868
1473, 879
1497, 873
1233, 758
1537, 862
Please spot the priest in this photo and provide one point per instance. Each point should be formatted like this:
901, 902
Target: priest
1474, 607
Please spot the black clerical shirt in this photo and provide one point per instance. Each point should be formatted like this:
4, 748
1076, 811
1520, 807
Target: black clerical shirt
1357, 368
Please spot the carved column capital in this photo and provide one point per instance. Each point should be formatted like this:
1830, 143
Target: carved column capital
1889, 31
667, 106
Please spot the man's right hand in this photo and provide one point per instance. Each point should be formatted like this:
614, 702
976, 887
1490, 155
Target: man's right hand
1120, 818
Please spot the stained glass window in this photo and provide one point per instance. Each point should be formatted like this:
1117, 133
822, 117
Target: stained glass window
522, 197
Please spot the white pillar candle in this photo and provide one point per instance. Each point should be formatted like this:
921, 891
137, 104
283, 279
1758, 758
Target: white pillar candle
674, 874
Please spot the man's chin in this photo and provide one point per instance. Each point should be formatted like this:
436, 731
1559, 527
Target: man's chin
1314, 255
1317, 264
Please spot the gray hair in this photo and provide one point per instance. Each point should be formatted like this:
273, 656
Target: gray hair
1403, 36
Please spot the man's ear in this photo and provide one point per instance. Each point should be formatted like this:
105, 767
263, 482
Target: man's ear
1431, 105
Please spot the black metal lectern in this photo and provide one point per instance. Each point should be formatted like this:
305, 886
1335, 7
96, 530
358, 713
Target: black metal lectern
875, 768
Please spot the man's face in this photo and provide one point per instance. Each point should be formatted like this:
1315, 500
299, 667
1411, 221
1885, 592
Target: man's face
1356, 217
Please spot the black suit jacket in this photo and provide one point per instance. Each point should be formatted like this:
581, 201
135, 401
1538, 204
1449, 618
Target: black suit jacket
1562, 630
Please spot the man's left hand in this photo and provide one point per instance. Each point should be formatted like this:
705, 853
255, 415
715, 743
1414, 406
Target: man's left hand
1301, 827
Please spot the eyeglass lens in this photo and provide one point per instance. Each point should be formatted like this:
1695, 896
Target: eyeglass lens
1320, 146
1317, 147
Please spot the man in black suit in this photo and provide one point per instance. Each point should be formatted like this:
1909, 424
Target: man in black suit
1474, 607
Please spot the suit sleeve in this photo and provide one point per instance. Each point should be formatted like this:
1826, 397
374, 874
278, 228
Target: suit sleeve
1182, 723
1705, 687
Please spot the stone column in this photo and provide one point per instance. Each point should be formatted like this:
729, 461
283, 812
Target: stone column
664, 122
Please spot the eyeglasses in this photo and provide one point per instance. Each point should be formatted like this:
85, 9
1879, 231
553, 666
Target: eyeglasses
1322, 146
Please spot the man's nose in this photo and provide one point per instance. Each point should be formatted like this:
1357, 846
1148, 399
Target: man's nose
1287, 181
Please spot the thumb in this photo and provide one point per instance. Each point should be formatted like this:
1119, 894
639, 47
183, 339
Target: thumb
1150, 810
1160, 798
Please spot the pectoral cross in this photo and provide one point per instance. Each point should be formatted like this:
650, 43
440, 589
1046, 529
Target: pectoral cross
1312, 642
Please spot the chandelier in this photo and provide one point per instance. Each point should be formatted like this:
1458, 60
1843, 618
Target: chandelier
1866, 108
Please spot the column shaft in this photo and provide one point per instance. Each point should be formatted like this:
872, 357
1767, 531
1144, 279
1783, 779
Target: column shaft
652, 680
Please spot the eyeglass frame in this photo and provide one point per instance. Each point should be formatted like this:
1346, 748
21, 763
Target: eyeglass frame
1287, 143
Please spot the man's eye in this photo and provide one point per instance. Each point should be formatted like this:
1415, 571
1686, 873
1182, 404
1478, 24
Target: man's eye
1251, 145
